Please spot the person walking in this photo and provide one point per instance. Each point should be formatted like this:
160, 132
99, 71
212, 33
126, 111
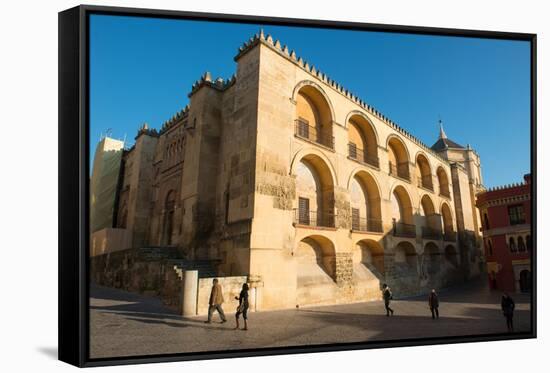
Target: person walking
507, 304
387, 296
433, 302
215, 302
243, 307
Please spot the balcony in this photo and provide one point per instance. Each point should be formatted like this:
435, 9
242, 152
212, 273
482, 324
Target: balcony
426, 182
431, 233
314, 218
361, 156
366, 225
445, 193
449, 236
404, 230
304, 131
400, 170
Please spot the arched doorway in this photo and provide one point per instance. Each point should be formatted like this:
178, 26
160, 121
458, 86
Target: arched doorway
451, 256
525, 281
423, 172
369, 256
315, 192
449, 233
443, 181
365, 203
315, 269
168, 221
313, 117
432, 258
430, 221
405, 258
398, 158
402, 213
362, 145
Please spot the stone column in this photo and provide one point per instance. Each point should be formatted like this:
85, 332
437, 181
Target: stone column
190, 290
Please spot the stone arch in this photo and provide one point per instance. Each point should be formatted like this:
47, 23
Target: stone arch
315, 270
430, 220
362, 139
405, 255
318, 88
447, 217
443, 181
399, 157
370, 254
451, 256
314, 192
432, 258
365, 202
402, 208
312, 152
423, 171
314, 114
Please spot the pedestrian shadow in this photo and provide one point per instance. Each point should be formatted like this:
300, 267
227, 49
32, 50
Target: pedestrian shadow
402, 326
182, 324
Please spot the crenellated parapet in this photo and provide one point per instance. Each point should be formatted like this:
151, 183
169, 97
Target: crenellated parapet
176, 118
283, 50
206, 80
145, 130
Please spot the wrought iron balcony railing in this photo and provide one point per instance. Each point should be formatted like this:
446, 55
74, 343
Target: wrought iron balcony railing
314, 218
404, 230
431, 233
303, 130
401, 170
366, 225
426, 182
360, 155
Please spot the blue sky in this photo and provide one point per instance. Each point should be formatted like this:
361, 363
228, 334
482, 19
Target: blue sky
141, 70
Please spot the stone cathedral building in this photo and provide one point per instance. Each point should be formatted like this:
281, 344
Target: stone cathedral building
282, 175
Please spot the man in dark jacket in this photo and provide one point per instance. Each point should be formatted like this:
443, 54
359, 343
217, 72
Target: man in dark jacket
215, 302
433, 302
387, 296
507, 304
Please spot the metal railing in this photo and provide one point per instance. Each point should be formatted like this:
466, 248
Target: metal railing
401, 170
426, 182
431, 233
366, 225
404, 230
449, 236
362, 156
314, 218
303, 130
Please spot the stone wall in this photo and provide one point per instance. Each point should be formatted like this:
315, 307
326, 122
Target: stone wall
144, 271
231, 288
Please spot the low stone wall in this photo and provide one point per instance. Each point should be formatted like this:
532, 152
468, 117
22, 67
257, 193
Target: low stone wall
231, 287
109, 240
146, 271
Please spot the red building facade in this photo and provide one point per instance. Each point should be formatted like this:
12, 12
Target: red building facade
506, 226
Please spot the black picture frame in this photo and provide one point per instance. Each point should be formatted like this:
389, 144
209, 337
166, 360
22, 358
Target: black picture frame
74, 144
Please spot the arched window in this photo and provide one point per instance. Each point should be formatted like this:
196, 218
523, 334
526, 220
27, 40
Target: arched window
486, 221
512, 245
521, 244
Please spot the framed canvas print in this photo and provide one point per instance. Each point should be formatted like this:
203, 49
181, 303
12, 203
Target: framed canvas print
238, 186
